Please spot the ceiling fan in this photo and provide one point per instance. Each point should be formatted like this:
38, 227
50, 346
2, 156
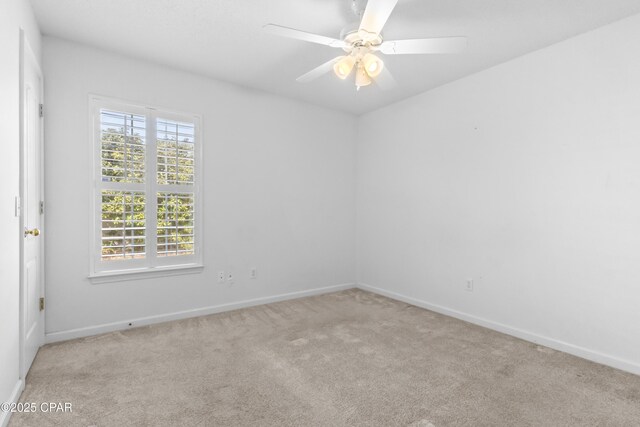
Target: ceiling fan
361, 42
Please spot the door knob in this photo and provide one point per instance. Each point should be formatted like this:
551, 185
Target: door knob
34, 232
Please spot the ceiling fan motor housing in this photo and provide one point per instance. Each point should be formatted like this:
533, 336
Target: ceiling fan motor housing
354, 37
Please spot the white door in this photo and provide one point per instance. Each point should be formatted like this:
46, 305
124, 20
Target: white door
32, 316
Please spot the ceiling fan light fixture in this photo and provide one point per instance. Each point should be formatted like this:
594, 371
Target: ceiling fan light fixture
362, 78
372, 65
343, 67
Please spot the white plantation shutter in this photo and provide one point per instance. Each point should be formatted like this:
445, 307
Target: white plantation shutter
146, 189
176, 152
175, 170
175, 224
123, 225
123, 150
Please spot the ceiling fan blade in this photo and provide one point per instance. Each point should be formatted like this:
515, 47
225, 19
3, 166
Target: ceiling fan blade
318, 71
385, 80
292, 33
376, 14
419, 46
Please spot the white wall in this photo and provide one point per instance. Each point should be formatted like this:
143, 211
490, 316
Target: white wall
526, 178
279, 190
14, 15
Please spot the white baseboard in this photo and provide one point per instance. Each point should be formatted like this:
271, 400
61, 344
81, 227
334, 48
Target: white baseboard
15, 396
143, 321
585, 353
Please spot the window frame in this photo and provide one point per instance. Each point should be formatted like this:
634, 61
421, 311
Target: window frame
151, 265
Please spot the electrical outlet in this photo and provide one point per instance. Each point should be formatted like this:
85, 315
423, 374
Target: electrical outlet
230, 278
221, 276
469, 285
253, 273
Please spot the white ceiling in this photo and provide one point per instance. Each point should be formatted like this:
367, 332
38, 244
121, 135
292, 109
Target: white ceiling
223, 39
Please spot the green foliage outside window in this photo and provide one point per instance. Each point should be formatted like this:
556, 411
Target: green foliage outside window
175, 224
123, 225
175, 162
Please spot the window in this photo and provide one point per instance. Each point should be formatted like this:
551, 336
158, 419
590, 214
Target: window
147, 190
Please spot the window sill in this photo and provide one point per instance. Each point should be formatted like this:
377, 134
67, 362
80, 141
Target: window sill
144, 273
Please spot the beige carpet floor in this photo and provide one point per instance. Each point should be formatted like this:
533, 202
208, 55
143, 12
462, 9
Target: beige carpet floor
344, 359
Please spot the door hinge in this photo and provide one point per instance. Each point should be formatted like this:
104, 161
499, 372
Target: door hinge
41, 207
41, 110
41, 303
